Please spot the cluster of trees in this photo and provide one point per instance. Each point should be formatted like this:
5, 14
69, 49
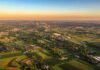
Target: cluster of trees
38, 63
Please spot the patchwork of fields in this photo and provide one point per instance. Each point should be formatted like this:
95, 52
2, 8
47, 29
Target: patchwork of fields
53, 62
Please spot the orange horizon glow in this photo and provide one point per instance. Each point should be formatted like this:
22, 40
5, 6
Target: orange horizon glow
49, 9
48, 16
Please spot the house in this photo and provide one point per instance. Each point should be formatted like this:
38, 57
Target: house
97, 58
57, 34
77, 56
34, 46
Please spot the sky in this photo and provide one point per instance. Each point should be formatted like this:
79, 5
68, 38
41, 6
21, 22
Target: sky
50, 9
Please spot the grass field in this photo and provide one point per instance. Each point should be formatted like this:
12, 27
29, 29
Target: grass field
67, 65
53, 62
7, 57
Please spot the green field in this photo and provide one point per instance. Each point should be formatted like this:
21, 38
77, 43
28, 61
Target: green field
7, 57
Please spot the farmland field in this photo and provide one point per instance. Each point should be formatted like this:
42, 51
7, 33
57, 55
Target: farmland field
53, 46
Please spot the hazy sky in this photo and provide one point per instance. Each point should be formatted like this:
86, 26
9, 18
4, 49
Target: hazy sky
50, 9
